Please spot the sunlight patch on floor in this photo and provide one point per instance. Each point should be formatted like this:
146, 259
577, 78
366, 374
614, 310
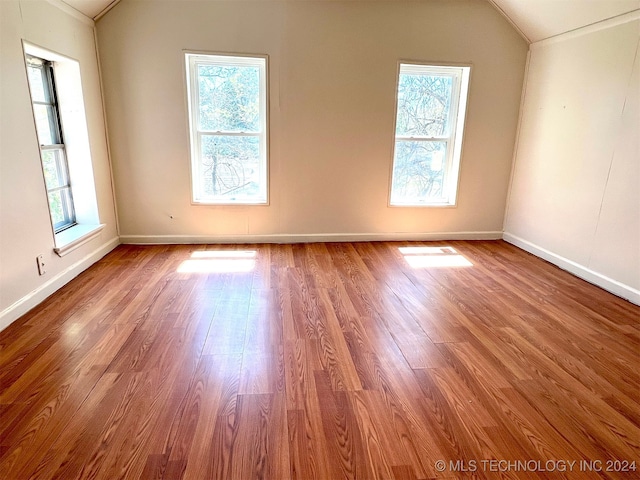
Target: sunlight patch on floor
433, 257
219, 261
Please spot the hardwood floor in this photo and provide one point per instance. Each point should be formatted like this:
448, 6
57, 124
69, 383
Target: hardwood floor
328, 361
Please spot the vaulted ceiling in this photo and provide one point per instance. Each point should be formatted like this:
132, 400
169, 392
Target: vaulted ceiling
535, 19
91, 8
540, 19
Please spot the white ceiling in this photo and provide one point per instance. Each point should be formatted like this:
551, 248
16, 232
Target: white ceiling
540, 19
90, 8
536, 19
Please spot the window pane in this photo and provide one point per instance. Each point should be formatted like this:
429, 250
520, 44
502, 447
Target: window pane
55, 174
37, 84
46, 124
61, 207
56, 207
231, 167
424, 102
229, 98
418, 171
67, 206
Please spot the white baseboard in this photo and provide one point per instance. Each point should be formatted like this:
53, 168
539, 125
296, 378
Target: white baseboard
305, 238
26, 303
617, 288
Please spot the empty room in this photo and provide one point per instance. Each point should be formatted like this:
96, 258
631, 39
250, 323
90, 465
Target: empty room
319, 239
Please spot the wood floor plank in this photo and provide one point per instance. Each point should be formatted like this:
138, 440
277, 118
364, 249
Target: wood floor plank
189, 421
260, 448
320, 361
218, 395
374, 439
344, 438
262, 373
336, 359
265, 323
308, 454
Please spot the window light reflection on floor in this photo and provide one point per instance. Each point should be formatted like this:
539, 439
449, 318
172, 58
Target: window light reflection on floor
219, 261
433, 257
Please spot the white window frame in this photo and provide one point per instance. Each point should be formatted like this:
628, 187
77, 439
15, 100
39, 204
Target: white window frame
453, 138
192, 60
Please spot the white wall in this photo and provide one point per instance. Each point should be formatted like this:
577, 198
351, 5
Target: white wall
575, 194
25, 228
333, 69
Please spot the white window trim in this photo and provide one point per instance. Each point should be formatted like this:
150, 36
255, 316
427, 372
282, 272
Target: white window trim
191, 82
460, 94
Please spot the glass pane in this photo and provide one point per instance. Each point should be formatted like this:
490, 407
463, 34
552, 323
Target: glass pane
56, 208
46, 124
37, 84
61, 208
229, 98
231, 167
418, 171
67, 206
423, 105
55, 172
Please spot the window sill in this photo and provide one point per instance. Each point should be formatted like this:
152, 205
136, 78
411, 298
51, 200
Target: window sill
241, 203
71, 238
424, 204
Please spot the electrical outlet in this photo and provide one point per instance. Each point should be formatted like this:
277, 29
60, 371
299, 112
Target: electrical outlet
40, 261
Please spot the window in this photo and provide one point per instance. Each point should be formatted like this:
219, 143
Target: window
430, 112
227, 97
61, 129
52, 149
